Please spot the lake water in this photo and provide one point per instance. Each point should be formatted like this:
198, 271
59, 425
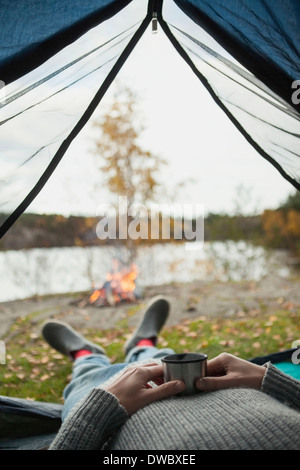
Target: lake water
27, 273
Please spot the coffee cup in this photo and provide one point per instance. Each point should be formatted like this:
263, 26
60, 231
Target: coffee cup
187, 367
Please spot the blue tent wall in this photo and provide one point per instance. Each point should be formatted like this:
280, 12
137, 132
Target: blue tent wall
31, 32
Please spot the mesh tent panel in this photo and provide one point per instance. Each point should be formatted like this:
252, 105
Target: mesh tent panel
268, 122
41, 110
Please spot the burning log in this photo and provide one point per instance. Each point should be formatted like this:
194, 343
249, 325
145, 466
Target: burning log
118, 287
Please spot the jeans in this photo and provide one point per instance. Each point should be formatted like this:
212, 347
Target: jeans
94, 369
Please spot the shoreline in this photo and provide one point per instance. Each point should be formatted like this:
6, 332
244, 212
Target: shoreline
188, 301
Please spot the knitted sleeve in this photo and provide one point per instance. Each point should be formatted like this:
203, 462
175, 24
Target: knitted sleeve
281, 386
91, 422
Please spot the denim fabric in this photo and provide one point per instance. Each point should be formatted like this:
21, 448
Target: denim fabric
94, 369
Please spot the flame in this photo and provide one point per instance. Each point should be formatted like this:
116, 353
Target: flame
119, 285
95, 295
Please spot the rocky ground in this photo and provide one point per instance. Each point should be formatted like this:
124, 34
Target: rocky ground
188, 301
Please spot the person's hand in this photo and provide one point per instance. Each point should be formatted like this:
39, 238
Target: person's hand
134, 392
226, 370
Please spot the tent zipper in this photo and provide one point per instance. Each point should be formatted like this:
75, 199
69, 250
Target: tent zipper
155, 8
154, 22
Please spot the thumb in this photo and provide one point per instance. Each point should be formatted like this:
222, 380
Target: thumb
166, 390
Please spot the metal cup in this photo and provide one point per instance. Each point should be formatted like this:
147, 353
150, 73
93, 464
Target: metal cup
186, 367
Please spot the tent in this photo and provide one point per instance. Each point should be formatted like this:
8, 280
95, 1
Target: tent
58, 58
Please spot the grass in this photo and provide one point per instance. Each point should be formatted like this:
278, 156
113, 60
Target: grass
34, 370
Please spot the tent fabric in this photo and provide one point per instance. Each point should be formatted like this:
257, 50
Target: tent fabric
263, 35
21, 418
267, 121
44, 110
33, 32
57, 60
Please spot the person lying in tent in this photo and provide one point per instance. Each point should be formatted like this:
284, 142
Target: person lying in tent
240, 405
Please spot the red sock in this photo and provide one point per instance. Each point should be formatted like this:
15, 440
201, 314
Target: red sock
80, 352
147, 342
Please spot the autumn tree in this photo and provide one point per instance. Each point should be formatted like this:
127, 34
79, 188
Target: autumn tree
127, 168
282, 226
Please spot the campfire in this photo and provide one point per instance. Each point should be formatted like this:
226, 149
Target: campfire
119, 286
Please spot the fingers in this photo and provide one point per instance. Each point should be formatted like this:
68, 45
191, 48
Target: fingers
217, 365
165, 390
219, 374
208, 384
154, 373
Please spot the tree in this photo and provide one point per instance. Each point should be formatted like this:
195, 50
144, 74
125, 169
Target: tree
128, 169
292, 202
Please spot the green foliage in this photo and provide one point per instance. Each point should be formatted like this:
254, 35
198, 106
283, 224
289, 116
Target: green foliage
236, 227
50, 230
292, 202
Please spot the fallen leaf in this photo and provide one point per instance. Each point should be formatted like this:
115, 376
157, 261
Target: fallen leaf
272, 318
44, 377
288, 305
241, 314
192, 334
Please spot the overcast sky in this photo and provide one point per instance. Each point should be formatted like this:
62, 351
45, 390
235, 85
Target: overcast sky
185, 127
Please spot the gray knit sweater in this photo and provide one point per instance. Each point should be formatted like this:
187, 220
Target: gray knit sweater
236, 418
